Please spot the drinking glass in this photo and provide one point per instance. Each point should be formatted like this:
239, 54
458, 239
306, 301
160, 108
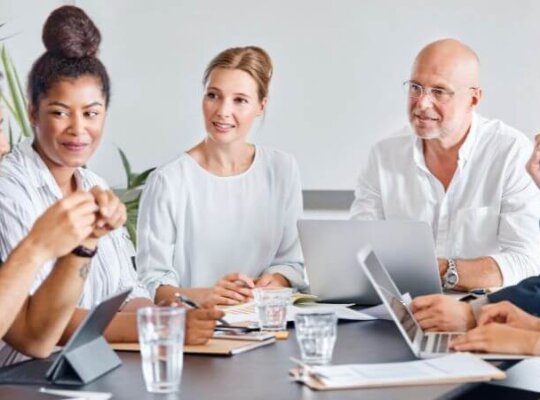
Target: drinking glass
161, 339
271, 305
316, 335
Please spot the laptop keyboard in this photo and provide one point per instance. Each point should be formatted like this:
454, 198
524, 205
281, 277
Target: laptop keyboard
438, 342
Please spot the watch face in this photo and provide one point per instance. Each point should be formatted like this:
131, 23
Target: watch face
452, 279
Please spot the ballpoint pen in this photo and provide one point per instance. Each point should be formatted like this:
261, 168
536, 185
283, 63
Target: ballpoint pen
225, 326
306, 369
190, 303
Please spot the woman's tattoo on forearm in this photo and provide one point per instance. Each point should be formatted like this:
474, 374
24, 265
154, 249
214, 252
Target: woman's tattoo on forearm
83, 271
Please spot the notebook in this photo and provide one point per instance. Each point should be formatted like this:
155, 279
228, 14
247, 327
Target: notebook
218, 347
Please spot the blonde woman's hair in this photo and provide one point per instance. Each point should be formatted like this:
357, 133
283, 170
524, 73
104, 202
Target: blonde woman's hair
250, 59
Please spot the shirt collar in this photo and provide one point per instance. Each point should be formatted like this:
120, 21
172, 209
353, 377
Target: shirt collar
465, 151
43, 177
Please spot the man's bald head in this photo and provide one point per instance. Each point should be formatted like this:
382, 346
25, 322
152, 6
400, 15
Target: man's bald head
452, 60
448, 73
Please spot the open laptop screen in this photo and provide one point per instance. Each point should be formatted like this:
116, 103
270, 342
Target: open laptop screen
392, 295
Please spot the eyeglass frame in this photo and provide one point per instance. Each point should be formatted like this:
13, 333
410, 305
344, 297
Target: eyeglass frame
428, 90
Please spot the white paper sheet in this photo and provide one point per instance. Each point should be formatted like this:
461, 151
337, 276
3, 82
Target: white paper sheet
247, 312
455, 366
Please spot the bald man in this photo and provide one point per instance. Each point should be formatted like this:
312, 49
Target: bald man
461, 173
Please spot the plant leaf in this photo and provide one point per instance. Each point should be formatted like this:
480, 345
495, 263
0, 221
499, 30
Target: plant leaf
127, 167
140, 179
15, 90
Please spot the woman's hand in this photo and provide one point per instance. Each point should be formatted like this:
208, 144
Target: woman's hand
505, 312
63, 226
233, 289
497, 338
200, 323
112, 212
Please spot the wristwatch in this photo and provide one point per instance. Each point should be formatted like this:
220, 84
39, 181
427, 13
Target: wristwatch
451, 276
85, 252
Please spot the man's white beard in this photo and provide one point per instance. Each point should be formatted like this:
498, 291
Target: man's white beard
431, 135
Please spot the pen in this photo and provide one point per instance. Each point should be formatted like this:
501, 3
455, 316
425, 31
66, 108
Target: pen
307, 369
190, 303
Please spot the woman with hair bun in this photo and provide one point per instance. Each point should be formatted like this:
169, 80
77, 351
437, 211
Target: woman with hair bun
69, 93
221, 219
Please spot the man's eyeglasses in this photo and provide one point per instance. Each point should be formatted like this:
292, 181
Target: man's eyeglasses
439, 95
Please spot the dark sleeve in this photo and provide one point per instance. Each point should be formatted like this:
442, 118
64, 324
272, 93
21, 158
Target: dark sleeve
525, 295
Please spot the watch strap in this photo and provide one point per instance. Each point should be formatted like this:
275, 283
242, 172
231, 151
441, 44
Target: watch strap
85, 252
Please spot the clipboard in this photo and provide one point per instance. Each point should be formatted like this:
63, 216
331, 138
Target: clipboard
454, 368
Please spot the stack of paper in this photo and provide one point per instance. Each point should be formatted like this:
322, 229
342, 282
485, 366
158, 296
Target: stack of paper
247, 312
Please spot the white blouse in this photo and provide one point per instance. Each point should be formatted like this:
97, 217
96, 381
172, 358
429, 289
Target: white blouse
195, 227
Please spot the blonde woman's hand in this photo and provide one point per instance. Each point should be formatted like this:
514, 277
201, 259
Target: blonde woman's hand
233, 289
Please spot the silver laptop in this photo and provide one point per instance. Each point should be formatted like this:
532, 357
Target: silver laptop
423, 344
330, 248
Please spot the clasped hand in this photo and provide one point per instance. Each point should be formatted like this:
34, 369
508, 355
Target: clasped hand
237, 288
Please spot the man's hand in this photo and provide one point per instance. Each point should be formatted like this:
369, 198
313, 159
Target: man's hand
507, 313
272, 280
443, 266
200, 324
497, 338
442, 313
63, 226
112, 212
233, 289
533, 166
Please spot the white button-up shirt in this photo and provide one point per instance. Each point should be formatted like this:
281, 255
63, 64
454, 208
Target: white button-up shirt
491, 207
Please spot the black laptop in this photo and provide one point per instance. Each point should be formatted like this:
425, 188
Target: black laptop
85, 357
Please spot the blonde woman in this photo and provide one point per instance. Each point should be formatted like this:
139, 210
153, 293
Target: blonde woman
221, 219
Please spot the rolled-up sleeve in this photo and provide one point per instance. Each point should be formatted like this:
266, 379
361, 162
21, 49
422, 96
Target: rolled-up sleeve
156, 235
519, 231
367, 204
289, 261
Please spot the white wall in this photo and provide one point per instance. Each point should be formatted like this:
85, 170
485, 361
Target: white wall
339, 66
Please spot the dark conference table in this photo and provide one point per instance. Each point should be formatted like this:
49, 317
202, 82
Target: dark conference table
262, 373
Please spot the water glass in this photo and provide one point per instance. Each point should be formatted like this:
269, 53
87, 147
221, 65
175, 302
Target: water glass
271, 305
161, 339
316, 335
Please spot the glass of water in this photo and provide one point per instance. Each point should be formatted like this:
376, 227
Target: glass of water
271, 304
316, 334
161, 338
